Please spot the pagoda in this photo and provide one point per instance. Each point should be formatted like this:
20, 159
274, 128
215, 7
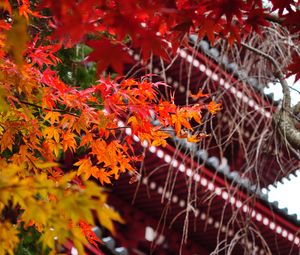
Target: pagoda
206, 198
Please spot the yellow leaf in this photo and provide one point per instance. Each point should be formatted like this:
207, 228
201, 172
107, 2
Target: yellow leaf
17, 38
7, 140
52, 146
53, 117
8, 238
44, 165
52, 132
3, 106
106, 216
78, 240
193, 139
134, 122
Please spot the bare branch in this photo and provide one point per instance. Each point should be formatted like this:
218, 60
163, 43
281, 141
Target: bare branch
283, 118
277, 74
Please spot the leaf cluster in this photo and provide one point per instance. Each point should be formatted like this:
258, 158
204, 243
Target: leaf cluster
60, 132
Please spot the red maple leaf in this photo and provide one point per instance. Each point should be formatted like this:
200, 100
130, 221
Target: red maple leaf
256, 20
151, 43
185, 4
72, 20
209, 27
228, 8
232, 33
280, 5
42, 55
58, 8
292, 21
88, 233
294, 68
106, 53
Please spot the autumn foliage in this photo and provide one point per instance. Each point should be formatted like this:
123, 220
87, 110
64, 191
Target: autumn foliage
44, 120
157, 26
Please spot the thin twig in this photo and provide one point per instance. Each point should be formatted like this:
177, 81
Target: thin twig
47, 109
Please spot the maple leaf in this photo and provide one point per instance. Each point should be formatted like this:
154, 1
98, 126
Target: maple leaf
198, 95
16, 39
42, 55
51, 146
68, 13
294, 68
8, 238
53, 117
232, 33
85, 166
88, 233
196, 137
209, 27
292, 20
106, 216
164, 115
120, 24
256, 20
7, 140
106, 53
134, 123
159, 138
99, 148
282, 5
69, 142
213, 108
103, 176
179, 120
228, 8
150, 43
51, 79
52, 132
6, 6
24, 10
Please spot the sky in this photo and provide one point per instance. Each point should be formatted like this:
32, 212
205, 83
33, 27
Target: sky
277, 90
287, 194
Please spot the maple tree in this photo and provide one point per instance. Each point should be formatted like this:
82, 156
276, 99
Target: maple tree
44, 121
47, 117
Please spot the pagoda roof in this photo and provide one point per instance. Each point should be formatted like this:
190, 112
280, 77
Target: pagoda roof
193, 190
230, 192
203, 72
219, 200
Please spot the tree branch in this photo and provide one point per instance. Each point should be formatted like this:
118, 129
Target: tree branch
277, 74
285, 118
47, 109
296, 109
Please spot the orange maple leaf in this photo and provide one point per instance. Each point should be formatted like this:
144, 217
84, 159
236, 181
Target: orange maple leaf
213, 107
85, 166
198, 95
196, 137
88, 233
69, 141
103, 176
